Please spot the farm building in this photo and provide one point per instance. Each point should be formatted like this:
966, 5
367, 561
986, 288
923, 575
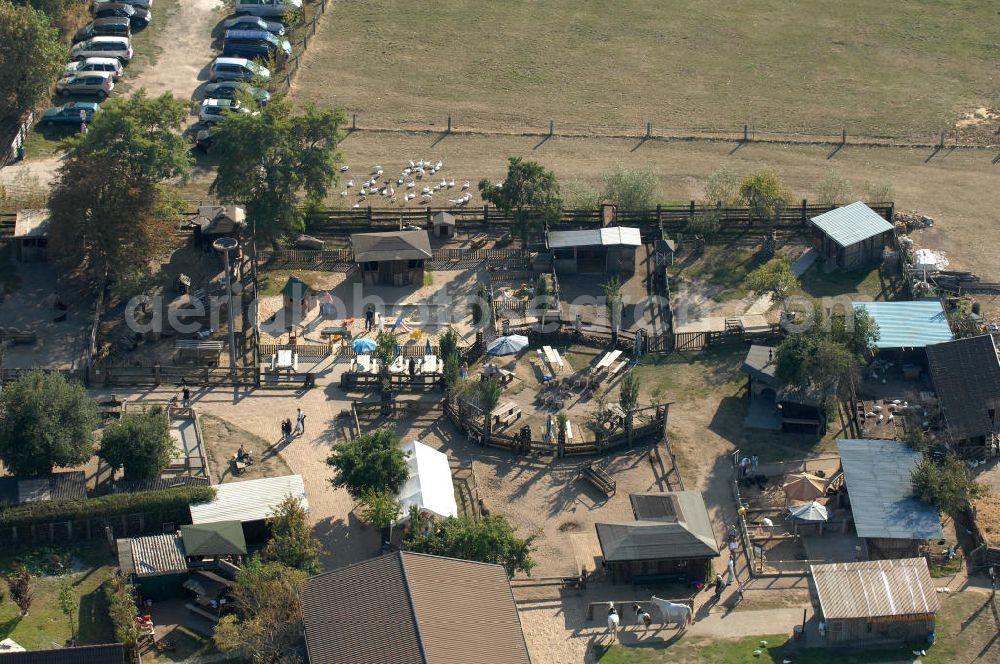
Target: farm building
422, 609
298, 296
215, 221
113, 653
890, 520
672, 535
594, 251
429, 487
906, 329
31, 235
852, 236
71, 485
444, 224
249, 502
788, 409
884, 602
392, 259
214, 540
966, 377
156, 564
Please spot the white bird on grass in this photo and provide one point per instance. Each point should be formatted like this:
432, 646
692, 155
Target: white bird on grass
410, 196
356, 205
412, 164
451, 183
406, 171
411, 184
465, 185
350, 183
376, 168
399, 181
420, 164
438, 166
344, 169
343, 193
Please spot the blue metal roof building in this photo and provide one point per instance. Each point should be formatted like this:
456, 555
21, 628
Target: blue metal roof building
878, 476
908, 324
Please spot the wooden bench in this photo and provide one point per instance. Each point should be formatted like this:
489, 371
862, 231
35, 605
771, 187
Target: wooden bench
506, 413
479, 240
600, 479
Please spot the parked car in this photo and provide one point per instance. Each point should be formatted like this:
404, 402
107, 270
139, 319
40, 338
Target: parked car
72, 113
237, 69
138, 17
254, 43
213, 110
138, 4
111, 65
228, 90
272, 8
99, 83
111, 26
103, 47
254, 23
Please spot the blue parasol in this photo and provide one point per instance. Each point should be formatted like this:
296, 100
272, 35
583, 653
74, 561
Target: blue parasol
810, 512
515, 343
363, 345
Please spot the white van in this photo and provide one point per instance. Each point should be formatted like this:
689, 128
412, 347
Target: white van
272, 8
111, 65
103, 47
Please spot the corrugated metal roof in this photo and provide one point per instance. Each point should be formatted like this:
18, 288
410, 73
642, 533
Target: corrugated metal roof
156, 554
875, 589
404, 607
595, 237
851, 224
908, 324
70, 485
106, 654
761, 364
31, 223
392, 246
878, 476
249, 500
966, 375
223, 538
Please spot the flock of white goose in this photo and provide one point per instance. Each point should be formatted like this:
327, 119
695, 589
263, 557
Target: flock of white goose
411, 184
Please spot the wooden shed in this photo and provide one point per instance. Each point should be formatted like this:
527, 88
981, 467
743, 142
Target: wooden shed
595, 251
852, 236
215, 221
876, 603
31, 235
671, 536
392, 259
966, 376
156, 564
798, 409
444, 224
298, 296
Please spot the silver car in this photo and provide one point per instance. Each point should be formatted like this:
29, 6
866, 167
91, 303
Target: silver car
272, 8
110, 65
99, 83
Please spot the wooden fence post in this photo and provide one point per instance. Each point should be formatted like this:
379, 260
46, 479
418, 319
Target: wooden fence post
745, 134
805, 204
941, 144
649, 129
486, 214
449, 123
843, 137
552, 128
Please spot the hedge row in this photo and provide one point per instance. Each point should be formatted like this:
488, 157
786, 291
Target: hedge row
120, 599
116, 504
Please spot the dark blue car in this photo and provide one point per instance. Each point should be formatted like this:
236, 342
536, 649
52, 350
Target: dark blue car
74, 112
253, 44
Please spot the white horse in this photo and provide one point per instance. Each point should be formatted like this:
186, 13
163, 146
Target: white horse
613, 621
678, 614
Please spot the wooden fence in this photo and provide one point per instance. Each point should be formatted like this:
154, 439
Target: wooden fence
305, 30
107, 375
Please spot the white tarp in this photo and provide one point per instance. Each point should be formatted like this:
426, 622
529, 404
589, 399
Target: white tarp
926, 259
429, 486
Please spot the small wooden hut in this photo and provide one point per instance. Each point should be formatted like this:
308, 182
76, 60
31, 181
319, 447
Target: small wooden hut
392, 259
595, 251
299, 296
31, 235
852, 236
444, 225
215, 221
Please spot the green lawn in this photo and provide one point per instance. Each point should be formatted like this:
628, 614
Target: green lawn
722, 266
45, 626
865, 284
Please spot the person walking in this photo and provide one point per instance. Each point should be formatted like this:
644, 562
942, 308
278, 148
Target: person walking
732, 571
186, 394
300, 422
720, 585
286, 429
464, 370
754, 460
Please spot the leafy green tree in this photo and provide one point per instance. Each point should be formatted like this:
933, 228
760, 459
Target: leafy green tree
723, 188
19, 586
385, 348
629, 397
481, 305
138, 442
67, 604
292, 542
579, 195
380, 508
860, 337
32, 55
489, 392
946, 485
45, 421
448, 343
631, 189
452, 370
491, 539
614, 306
833, 189
773, 278
371, 461
268, 159
764, 194
530, 193
267, 622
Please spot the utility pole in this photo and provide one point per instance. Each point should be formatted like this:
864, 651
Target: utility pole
224, 245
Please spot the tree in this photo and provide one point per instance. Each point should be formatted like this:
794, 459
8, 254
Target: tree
489, 396
723, 188
631, 189
67, 604
530, 193
267, 621
833, 189
452, 371
109, 214
579, 195
385, 348
380, 508
292, 543
860, 336
614, 305
773, 278
19, 585
138, 442
32, 55
629, 397
268, 158
491, 539
481, 304
763, 193
45, 421
946, 485
373, 460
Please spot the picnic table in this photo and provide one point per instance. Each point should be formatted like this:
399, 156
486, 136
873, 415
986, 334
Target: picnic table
503, 375
363, 363
506, 413
569, 432
606, 361
336, 331
552, 357
618, 367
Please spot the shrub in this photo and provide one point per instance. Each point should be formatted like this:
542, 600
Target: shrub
833, 189
723, 188
119, 597
631, 189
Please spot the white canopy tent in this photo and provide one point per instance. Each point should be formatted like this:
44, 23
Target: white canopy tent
429, 486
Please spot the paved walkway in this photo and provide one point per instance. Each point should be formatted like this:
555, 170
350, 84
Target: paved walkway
799, 267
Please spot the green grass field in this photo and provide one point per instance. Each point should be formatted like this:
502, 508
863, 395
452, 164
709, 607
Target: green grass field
877, 69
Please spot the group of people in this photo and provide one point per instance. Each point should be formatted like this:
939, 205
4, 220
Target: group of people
288, 429
748, 465
185, 398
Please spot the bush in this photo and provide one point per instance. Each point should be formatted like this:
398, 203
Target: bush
833, 189
119, 596
631, 189
164, 502
580, 195
723, 187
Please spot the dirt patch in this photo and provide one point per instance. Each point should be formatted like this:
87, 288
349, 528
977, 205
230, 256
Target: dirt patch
223, 439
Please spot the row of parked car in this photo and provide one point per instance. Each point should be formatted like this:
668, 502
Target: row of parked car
101, 49
248, 39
